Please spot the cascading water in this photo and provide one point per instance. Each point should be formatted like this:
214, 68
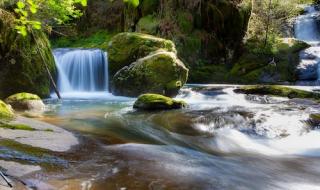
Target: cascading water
306, 29
81, 71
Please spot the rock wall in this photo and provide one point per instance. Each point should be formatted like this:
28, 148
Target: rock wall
21, 66
206, 32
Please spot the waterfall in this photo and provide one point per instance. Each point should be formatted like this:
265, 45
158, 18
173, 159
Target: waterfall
306, 29
81, 70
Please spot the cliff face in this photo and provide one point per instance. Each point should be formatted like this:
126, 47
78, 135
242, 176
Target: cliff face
21, 66
206, 32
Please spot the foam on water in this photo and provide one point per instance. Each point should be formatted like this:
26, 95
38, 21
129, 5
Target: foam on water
306, 29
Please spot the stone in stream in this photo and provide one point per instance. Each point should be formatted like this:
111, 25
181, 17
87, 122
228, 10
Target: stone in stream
160, 72
25, 102
126, 48
140, 63
157, 102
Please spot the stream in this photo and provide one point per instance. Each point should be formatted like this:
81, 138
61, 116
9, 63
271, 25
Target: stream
221, 141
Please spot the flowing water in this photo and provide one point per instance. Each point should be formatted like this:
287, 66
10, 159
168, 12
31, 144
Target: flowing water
221, 141
82, 72
307, 29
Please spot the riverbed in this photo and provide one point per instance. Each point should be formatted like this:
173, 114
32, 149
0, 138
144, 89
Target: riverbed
222, 140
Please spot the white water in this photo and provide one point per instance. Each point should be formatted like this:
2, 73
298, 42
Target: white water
82, 72
306, 29
280, 128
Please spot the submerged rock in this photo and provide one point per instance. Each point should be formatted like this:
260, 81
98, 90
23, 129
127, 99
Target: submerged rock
157, 102
5, 111
25, 102
126, 48
161, 72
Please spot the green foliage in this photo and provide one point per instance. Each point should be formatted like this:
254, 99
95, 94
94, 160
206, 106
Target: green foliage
21, 64
100, 40
35, 13
134, 3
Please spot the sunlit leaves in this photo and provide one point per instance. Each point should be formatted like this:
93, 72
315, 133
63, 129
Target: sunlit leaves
134, 3
52, 12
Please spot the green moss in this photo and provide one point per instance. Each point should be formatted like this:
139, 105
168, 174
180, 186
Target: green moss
21, 65
208, 73
99, 39
157, 101
5, 111
185, 21
16, 127
254, 64
126, 48
23, 148
22, 97
281, 91
148, 24
160, 72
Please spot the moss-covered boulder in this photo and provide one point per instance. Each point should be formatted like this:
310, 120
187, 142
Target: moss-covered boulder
25, 102
5, 111
161, 72
281, 91
157, 102
21, 66
126, 48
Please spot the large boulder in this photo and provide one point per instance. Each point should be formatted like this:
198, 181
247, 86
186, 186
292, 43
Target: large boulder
5, 111
157, 102
21, 65
25, 102
126, 48
160, 72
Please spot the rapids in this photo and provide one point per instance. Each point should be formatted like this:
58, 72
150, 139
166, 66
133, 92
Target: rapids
223, 140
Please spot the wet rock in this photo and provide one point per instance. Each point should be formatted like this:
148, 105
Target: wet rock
315, 120
157, 102
276, 90
42, 135
25, 102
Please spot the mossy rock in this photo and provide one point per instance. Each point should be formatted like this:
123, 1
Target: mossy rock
21, 65
157, 102
281, 91
22, 97
5, 111
148, 24
126, 48
25, 102
161, 72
